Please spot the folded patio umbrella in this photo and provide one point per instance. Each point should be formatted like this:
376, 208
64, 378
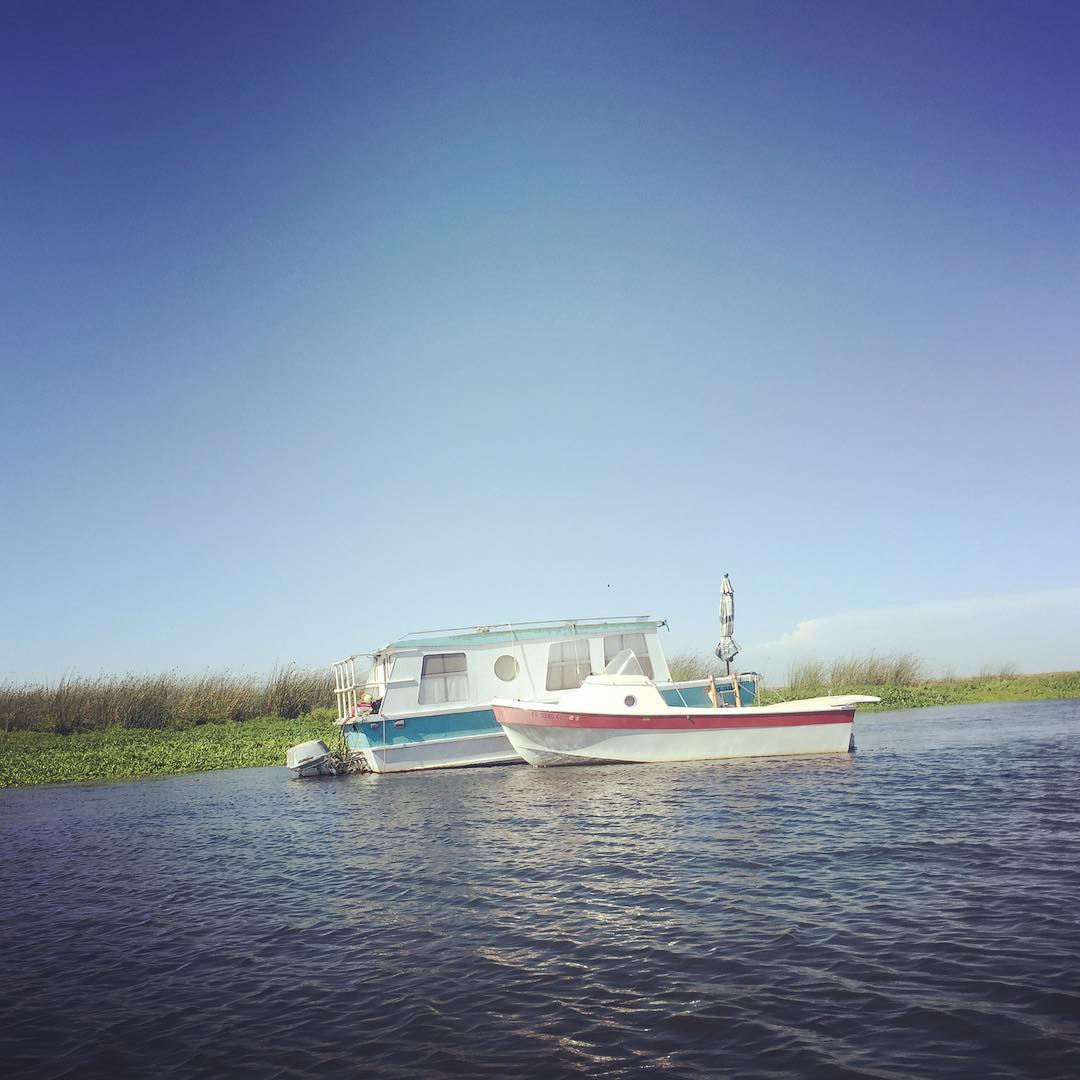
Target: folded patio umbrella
728, 648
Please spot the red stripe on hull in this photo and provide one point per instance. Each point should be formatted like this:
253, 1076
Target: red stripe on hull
686, 722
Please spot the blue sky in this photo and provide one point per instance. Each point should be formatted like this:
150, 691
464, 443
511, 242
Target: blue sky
323, 323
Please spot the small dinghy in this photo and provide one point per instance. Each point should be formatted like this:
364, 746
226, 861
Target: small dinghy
620, 716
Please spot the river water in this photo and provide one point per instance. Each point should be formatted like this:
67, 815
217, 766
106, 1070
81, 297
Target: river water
911, 910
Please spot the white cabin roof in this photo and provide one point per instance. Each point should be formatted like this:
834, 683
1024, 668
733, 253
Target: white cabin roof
511, 633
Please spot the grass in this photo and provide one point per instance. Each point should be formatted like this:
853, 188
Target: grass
901, 681
685, 666
150, 725
115, 753
811, 678
76, 704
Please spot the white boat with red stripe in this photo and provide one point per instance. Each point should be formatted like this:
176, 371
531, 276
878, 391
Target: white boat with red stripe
620, 716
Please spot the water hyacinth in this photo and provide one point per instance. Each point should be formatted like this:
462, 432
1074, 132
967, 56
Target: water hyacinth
37, 757
108, 728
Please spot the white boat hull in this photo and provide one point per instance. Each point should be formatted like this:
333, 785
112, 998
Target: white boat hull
463, 752
544, 746
554, 735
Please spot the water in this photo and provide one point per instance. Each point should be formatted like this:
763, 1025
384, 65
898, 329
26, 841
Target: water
907, 911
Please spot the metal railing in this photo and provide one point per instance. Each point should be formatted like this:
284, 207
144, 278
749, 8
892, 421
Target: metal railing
345, 688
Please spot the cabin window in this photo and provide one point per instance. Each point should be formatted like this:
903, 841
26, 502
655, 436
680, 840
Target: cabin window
443, 679
506, 667
568, 664
615, 643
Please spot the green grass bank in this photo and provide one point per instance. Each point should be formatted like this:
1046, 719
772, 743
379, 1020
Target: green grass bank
116, 753
900, 680
944, 691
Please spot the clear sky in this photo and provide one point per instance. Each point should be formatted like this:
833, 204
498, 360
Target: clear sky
321, 323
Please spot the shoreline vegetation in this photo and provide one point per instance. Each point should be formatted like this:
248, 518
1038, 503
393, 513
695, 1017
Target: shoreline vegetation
83, 729
900, 680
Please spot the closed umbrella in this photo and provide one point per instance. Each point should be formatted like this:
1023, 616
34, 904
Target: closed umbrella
728, 648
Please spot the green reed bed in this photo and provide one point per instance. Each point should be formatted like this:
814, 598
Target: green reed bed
148, 725
952, 691
900, 680
115, 753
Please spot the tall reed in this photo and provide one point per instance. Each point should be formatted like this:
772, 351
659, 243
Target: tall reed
685, 666
810, 678
80, 703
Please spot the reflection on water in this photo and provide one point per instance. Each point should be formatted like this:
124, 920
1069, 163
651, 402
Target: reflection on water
907, 911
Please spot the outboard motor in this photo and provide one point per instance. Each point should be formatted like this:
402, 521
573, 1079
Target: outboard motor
310, 759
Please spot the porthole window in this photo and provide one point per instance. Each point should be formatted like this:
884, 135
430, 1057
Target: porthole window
506, 667
629, 701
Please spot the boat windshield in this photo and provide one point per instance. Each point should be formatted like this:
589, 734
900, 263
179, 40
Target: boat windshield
624, 663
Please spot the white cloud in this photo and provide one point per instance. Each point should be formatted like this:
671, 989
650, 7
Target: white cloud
1034, 631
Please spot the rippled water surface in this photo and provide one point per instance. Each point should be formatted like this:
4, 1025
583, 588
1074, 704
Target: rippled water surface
912, 910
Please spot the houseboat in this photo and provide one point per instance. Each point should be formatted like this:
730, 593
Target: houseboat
424, 702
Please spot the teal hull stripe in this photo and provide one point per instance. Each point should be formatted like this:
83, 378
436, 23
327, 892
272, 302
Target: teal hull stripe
419, 729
